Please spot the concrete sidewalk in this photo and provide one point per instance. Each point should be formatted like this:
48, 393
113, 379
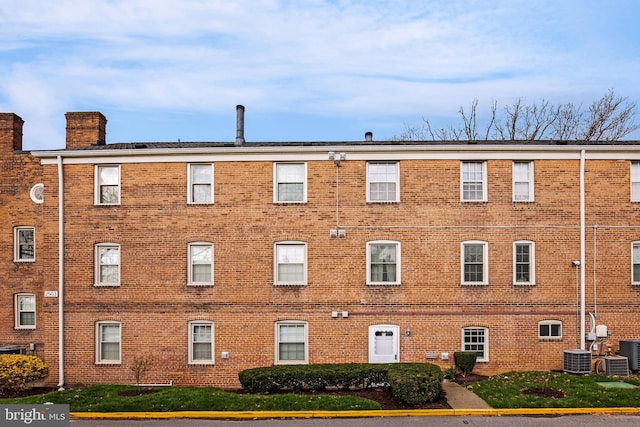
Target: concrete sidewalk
459, 397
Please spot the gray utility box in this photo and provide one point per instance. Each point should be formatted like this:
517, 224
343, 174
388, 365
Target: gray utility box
616, 365
577, 361
631, 350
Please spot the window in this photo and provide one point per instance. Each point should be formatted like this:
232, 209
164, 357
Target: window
475, 270
550, 329
523, 181
473, 181
383, 261
107, 264
476, 339
635, 263
383, 182
291, 343
37, 193
290, 182
108, 342
201, 342
24, 244
524, 263
200, 264
290, 263
107, 185
200, 183
635, 181
25, 305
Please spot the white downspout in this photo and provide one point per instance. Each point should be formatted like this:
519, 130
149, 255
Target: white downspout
60, 274
582, 253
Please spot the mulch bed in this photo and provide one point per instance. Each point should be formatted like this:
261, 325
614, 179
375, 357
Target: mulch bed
543, 392
10, 394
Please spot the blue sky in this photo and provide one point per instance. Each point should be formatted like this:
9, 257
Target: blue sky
316, 70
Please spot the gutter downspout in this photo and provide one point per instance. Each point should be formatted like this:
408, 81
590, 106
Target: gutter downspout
582, 253
60, 274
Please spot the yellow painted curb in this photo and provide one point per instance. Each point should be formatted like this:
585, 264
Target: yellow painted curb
349, 414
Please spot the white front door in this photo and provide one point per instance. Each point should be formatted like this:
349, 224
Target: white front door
384, 344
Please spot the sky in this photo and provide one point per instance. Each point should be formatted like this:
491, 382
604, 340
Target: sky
314, 70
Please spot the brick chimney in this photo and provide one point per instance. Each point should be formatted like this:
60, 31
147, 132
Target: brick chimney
86, 128
10, 132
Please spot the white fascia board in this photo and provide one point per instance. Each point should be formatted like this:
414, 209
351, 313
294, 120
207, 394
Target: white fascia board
354, 152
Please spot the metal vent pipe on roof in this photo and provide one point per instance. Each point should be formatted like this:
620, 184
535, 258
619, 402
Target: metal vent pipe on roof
239, 125
368, 136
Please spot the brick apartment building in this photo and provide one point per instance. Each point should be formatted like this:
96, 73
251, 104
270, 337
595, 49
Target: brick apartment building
214, 257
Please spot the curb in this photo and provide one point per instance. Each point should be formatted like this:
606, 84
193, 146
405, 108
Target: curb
239, 415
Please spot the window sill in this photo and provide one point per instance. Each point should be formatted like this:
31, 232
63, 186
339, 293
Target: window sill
383, 284
383, 202
524, 284
200, 285
25, 328
209, 363
106, 285
109, 363
297, 203
473, 285
289, 285
24, 261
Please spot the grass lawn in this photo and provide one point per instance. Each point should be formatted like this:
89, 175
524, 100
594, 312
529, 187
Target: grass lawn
110, 398
508, 390
535, 390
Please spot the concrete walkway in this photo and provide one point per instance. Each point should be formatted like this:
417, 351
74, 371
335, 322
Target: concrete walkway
459, 397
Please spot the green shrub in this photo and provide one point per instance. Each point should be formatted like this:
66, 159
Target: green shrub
465, 361
416, 383
17, 371
411, 382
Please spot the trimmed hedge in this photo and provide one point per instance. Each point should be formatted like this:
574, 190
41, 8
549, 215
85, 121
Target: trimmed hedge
413, 383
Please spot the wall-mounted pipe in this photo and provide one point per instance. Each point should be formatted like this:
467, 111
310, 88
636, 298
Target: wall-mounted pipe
60, 274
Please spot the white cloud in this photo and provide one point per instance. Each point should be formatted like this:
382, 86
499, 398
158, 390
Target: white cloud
370, 58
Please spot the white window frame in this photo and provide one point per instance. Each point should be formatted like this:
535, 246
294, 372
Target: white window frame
18, 299
99, 342
483, 181
635, 181
99, 185
635, 260
528, 182
37, 193
191, 184
277, 263
17, 232
485, 263
468, 346
531, 262
192, 341
277, 359
396, 182
549, 323
190, 253
98, 263
276, 182
398, 264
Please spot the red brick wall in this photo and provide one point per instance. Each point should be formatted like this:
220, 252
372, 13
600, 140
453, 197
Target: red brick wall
19, 172
153, 225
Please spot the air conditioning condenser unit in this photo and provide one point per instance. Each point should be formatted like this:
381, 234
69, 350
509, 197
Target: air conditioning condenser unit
577, 361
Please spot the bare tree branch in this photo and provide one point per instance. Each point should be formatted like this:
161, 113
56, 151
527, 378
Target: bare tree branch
609, 118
